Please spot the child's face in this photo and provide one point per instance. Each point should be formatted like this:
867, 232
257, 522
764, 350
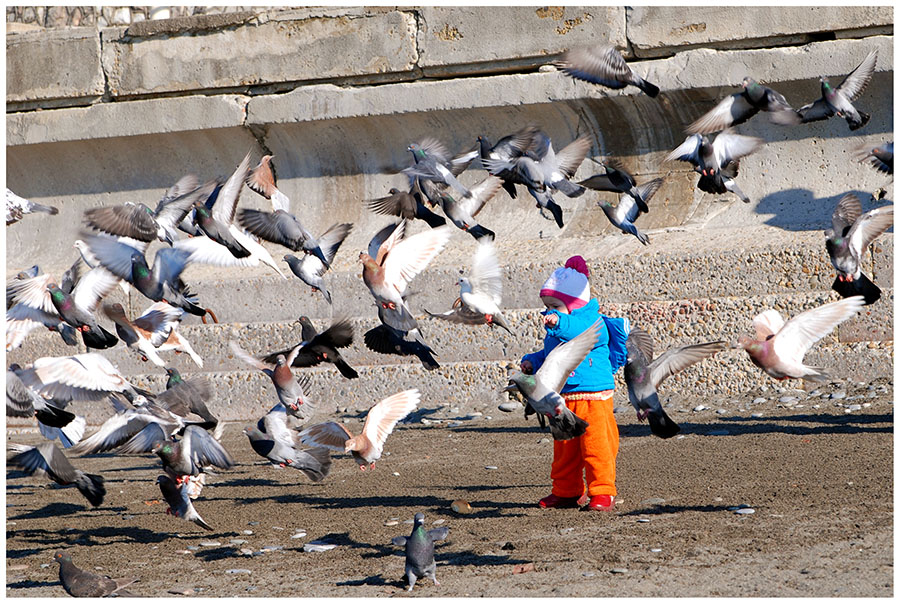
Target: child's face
555, 304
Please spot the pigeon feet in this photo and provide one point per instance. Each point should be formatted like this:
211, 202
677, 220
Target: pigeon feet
642, 415
211, 314
144, 358
389, 305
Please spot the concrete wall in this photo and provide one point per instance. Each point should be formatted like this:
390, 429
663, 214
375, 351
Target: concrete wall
337, 94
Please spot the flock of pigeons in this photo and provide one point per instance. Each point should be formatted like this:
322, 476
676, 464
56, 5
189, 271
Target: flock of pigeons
202, 223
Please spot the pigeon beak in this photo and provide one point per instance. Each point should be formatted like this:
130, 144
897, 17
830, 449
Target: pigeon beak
511, 387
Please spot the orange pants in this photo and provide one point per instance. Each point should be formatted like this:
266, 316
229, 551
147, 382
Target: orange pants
594, 452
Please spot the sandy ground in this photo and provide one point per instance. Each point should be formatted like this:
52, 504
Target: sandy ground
819, 480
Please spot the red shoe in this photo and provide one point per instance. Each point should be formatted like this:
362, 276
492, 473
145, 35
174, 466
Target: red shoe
554, 501
602, 503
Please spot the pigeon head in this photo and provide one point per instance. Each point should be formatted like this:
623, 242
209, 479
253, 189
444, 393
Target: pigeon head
464, 285
55, 293
418, 519
62, 557
522, 382
752, 346
162, 448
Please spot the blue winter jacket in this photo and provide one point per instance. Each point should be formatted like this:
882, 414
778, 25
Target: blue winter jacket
595, 373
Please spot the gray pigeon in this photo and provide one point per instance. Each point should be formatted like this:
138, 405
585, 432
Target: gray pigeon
405, 205
282, 228
507, 149
717, 162
433, 163
603, 65
17, 207
462, 211
53, 420
627, 211
837, 101
272, 439
643, 377
420, 550
178, 499
740, 107
616, 179
188, 456
541, 390
881, 157
289, 390
82, 584
851, 235
47, 458
310, 269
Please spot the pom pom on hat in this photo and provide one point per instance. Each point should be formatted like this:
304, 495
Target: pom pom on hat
568, 285
578, 263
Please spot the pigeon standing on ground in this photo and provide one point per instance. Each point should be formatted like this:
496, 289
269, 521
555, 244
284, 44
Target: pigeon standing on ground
837, 101
310, 269
644, 374
420, 550
740, 107
47, 458
321, 347
178, 499
851, 234
628, 209
779, 347
541, 390
369, 444
603, 65
82, 584
17, 207
717, 162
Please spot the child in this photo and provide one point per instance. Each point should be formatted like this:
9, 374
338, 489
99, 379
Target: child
588, 391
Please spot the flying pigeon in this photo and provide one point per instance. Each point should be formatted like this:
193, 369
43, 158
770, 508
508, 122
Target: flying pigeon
392, 262
779, 347
851, 234
82, 584
541, 390
881, 157
47, 458
53, 420
540, 167
272, 439
80, 377
505, 151
321, 347
147, 332
282, 228
17, 207
603, 65
389, 340
717, 162
407, 205
644, 374
218, 223
740, 107
623, 215
289, 390
310, 269
178, 499
261, 179
616, 179
432, 162
368, 445
837, 101
462, 211
420, 550
480, 293
188, 456
29, 306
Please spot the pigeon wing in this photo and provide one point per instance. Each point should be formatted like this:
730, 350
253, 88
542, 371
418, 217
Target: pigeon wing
410, 256
95, 285
563, 359
845, 215
729, 146
800, 333
869, 227
382, 417
767, 323
486, 276
330, 435
857, 80
226, 203
676, 359
731, 110
128, 220
204, 449
688, 150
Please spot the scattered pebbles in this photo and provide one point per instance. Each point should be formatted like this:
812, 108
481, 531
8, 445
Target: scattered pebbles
237, 571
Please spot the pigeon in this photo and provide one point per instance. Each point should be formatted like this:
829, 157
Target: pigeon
289, 390
420, 550
480, 293
178, 499
740, 107
462, 212
851, 235
82, 584
541, 390
368, 445
506, 150
881, 157
271, 439
310, 268
29, 306
203, 250
139, 222
87, 376
603, 65
392, 262
17, 207
53, 420
628, 210
644, 374
47, 458
187, 397
433, 163
188, 456
282, 228
837, 101
717, 162
217, 222
407, 205
91, 261
779, 347
321, 347
28, 273
540, 167
389, 340
261, 179
147, 332
617, 180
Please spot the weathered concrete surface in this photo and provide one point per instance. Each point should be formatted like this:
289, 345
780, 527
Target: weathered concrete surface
53, 64
271, 52
664, 30
502, 38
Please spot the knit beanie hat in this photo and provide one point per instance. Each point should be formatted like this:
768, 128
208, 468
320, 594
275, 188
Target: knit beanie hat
569, 284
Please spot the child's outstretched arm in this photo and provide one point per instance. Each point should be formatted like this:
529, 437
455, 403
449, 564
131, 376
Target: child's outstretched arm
567, 326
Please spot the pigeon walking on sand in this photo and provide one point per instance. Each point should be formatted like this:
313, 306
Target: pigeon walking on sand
49, 460
779, 346
850, 235
367, 446
644, 374
82, 584
603, 65
420, 550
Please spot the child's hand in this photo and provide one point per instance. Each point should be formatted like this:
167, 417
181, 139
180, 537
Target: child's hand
551, 319
526, 367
